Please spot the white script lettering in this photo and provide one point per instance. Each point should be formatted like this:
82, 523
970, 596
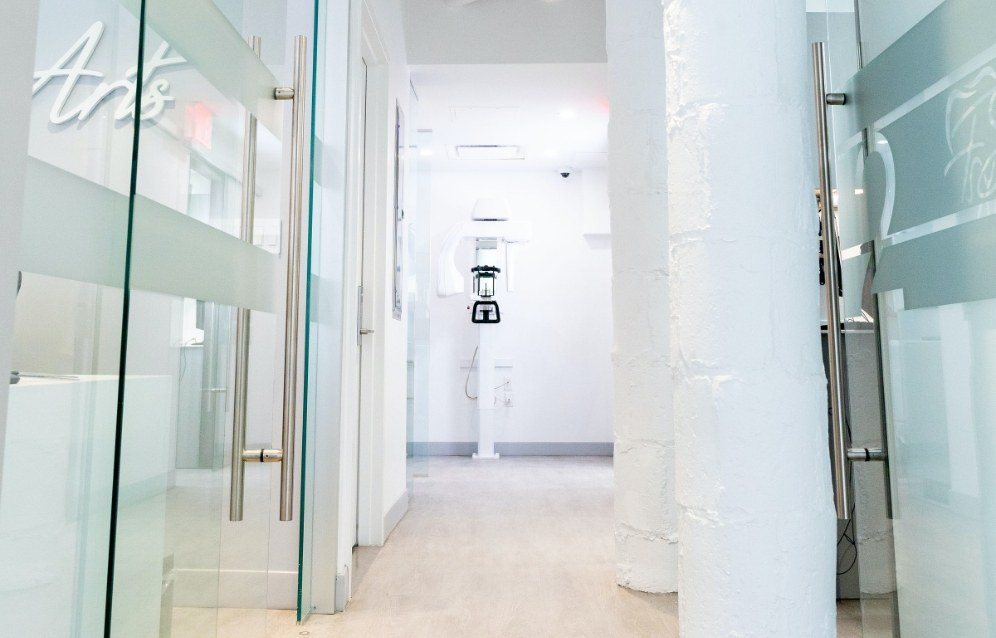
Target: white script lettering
72, 66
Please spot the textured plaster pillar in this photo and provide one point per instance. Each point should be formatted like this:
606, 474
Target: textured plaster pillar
753, 478
646, 516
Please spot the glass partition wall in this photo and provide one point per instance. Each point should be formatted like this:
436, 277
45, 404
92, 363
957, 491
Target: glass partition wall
913, 173
164, 236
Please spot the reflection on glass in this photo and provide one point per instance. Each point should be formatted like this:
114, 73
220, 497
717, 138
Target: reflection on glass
420, 185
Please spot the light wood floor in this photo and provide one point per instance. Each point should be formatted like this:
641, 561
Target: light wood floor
521, 547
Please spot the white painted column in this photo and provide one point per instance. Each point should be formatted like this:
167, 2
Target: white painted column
753, 476
486, 392
646, 516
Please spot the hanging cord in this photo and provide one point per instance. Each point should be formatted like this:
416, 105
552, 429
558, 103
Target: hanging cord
466, 382
852, 542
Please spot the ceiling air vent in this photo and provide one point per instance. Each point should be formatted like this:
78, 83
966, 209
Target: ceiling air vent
487, 152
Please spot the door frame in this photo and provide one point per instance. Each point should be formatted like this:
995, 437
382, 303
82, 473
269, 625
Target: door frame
376, 179
361, 472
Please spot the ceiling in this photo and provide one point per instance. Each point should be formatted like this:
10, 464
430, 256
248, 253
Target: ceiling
555, 114
504, 31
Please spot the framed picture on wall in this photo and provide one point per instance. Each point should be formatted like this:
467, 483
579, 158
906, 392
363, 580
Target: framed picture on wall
399, 210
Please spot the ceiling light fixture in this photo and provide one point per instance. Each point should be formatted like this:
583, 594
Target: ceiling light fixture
568, 114
487, 152
425, 152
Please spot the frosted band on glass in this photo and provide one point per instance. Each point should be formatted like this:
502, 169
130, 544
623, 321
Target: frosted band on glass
949, 266
75, 229
927, 100
72, 228
178, 255
204, 36
951, 35
941, 153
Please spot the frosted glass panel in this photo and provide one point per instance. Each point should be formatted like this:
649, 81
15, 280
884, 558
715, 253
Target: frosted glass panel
942, 364
77, 229
914, 151
884, 22
207, 39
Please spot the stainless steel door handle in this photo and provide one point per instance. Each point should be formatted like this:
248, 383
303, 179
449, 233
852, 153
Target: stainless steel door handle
292, 318
285, 454
237, 494
364, 331
831, 255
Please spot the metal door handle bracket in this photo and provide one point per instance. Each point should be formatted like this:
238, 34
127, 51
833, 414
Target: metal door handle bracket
866, 454
264, 455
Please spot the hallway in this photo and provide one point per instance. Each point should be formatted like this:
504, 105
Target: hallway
521, 547
518, 548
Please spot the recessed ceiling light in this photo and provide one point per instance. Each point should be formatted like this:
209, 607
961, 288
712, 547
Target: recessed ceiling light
425, 152
550, 152
568, 114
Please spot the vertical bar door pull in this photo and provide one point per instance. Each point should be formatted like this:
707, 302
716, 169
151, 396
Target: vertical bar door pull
237, 495
831, 254
297, 93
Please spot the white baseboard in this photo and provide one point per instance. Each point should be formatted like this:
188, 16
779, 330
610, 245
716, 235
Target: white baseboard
466, 448
395, 514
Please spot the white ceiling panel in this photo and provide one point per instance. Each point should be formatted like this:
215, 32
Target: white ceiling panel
554, 114
504, 31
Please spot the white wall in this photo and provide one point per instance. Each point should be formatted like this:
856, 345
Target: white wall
505, 32
391, 334
556, 327
377, 471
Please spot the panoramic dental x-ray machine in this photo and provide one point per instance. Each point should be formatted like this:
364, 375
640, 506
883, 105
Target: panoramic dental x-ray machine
495, 238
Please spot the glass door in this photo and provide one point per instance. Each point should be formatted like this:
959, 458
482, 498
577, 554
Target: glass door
154, 338
58, 433
914, 148
205, 532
